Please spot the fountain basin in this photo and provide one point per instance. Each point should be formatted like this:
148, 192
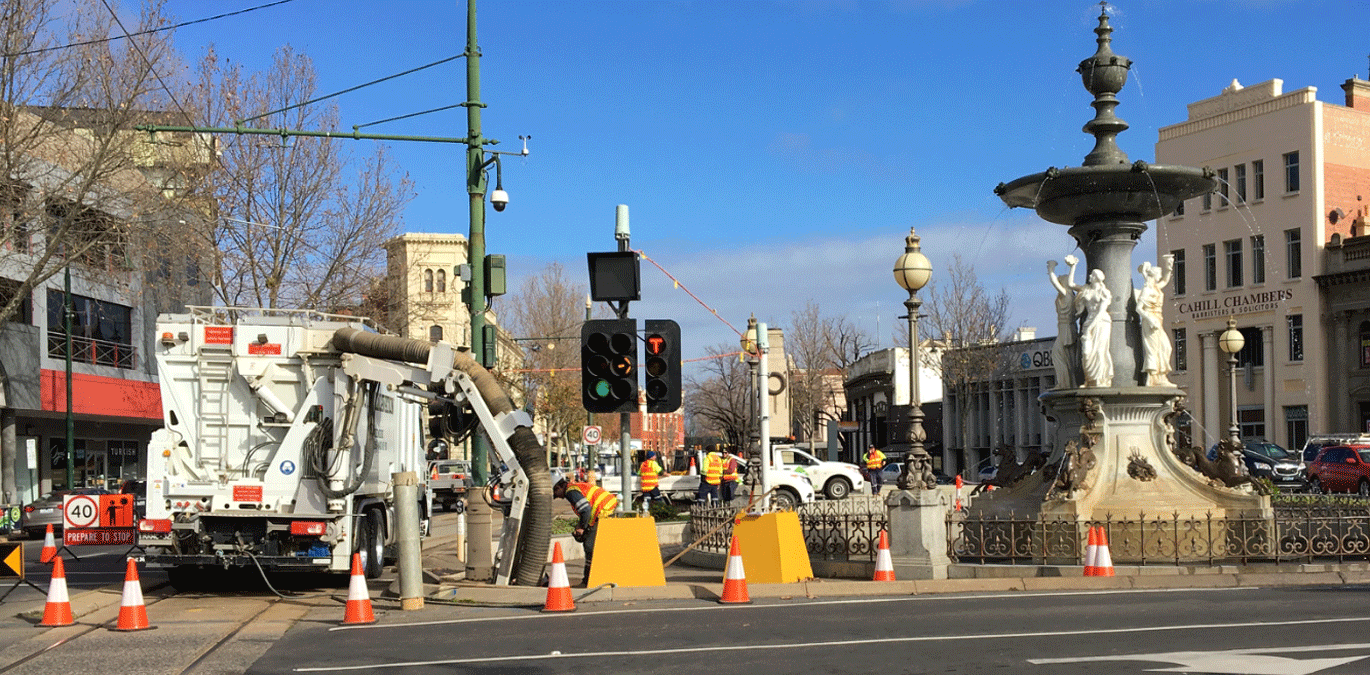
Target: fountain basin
1136, 193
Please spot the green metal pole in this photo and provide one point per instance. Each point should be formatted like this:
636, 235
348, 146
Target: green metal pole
475, 186
71, 420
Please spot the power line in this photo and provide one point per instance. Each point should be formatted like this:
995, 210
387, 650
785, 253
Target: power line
146, 32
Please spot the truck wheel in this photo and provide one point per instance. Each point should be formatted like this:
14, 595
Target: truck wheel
837, 488
371, 543
786, 499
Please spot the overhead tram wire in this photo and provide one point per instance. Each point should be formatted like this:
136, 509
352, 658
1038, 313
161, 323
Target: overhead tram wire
127, 35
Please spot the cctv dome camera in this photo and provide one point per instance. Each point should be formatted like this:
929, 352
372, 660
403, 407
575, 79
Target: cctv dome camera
499, 199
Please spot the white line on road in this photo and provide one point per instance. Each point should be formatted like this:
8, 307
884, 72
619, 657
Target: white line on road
832, 643
818, 603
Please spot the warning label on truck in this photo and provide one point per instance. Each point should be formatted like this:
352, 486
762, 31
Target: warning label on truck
247, 493
270, 348
218, 335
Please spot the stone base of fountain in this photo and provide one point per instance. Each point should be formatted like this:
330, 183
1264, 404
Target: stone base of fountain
1113, 463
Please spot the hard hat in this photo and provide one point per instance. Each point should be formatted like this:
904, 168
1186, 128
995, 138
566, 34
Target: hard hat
558, 478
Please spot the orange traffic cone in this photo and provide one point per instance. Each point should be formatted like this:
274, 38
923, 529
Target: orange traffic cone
1103, 561
132, 611
358, 608
58, 610
49, 548
734, 578
433, 475
558, 586
694, 471
884, 565
1092, 552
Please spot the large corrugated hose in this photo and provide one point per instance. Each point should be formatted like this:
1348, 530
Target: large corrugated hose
536, 533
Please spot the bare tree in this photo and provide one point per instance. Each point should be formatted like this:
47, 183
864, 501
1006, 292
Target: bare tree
77, 183
819, 346
717, 398
297, 223
972, 323
546, 314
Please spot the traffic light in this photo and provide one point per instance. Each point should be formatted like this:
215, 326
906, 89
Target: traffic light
661, 341
608, 365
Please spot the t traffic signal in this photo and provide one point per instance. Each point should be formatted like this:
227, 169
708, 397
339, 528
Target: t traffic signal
661, 342
608, 365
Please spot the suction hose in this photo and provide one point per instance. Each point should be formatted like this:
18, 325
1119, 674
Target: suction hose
536, 534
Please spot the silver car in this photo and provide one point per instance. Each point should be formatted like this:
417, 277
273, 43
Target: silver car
48, 511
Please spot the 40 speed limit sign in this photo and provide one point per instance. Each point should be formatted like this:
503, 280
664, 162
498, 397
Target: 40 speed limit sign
591, 435
80, 511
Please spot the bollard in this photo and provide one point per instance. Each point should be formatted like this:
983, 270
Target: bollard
461, 536
410, 565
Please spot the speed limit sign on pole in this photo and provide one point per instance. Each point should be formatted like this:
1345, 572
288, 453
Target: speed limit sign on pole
591, 435
80, 511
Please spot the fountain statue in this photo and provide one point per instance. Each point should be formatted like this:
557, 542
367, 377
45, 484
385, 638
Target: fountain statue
1115, 453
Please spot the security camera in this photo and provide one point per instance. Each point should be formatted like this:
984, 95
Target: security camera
499, 199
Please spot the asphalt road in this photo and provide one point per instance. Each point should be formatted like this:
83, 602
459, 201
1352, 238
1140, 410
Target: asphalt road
1285, 631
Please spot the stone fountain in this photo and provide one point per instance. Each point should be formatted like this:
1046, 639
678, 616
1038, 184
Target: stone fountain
1117, 455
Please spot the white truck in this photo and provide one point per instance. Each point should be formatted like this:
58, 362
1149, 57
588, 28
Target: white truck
790, 488
283, 429
450, 481
836, 480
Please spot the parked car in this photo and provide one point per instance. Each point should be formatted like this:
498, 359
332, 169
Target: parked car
138, 488
1317, 442
47, 510
1341, 468
1268, 460
835, 480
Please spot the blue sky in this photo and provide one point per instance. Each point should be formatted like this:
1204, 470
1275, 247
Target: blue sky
774, 152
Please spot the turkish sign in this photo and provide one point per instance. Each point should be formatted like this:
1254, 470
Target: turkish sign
1231, 305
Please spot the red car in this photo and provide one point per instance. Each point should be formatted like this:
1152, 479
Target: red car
1341, 468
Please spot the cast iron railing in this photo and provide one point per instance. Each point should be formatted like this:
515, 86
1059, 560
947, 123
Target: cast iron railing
89, 350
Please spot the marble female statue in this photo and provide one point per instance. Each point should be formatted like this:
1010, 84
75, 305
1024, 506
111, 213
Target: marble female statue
1150, 299
1091, 301
1062, 356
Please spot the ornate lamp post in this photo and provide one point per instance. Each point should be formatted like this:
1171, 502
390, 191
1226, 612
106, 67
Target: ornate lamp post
751, 352
1231, 342
912, 270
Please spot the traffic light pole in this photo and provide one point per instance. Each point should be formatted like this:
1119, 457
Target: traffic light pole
625, 419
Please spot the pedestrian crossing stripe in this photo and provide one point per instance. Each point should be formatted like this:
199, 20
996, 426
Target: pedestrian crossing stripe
12, 560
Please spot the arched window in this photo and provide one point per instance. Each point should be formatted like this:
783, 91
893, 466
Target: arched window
442, 281
1365, 344
434, 333
428, 281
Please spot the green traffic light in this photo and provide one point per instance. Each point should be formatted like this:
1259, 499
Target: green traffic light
602, 388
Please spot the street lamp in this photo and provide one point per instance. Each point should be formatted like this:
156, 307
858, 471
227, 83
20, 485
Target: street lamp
751, 353
1231, 342
912, 270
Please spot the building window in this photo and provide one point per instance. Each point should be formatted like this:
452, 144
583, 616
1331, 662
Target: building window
1258, 179
1179, 208
1291, 172
1295, 337
1222, 188
1253, 350
1210, 267
442, 281
1251, 422
1179, 272
428, 281
1208, 201
1293, 253
1258, 259
101, 332
1365, 344
434, 333
1241, 183
1181, 350
1233, 250
1296, 426
24, 313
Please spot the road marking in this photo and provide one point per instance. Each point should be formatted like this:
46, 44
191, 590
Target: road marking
817, 603
1232, 661
836, 643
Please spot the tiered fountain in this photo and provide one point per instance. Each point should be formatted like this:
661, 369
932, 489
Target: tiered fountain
1116, 454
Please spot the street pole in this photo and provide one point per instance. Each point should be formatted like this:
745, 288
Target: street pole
763, 416
480, 556
589, 416
1231, 341
912, 271
67, 312
625, 420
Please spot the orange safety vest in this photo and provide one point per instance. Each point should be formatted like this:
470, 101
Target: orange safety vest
650, 477
602, 502
874, 460
730, 473
713, 469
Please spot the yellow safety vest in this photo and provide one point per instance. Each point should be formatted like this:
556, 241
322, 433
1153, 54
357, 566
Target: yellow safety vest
713, 469
730, 473
650, 478
602, 502
874, 460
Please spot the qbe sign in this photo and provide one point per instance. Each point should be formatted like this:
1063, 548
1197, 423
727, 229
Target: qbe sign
591, 435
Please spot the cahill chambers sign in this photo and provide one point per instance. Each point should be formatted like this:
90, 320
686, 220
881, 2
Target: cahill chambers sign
1230, 305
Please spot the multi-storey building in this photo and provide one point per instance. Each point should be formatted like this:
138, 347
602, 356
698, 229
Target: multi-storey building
878, 393
1293, 175
999, 408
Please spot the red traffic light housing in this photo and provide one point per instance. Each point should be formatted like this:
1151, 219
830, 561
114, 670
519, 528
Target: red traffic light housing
661, 342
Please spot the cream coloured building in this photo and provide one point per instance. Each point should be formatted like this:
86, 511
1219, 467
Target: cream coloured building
1292, 172
426, 293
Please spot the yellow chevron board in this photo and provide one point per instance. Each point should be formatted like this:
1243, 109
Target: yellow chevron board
11, 561
627, 553
773, 550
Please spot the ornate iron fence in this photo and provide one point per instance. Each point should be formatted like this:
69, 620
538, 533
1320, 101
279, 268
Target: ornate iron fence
1296, 534
843, 529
